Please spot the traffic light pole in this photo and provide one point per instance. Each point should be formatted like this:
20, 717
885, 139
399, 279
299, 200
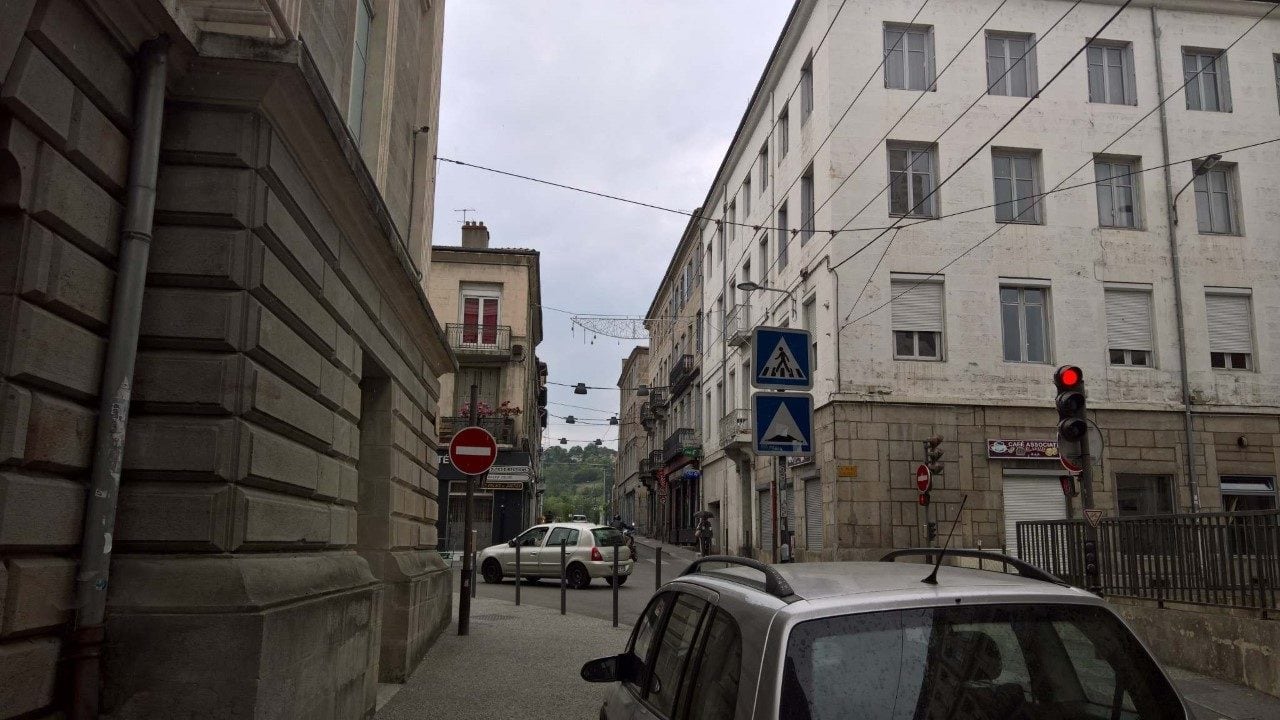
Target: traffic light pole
1093, 580
464, 587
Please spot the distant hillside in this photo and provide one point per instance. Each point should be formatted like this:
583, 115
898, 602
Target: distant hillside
576, 478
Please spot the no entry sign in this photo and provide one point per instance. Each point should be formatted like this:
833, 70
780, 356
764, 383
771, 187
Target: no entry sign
472, 450
924, 478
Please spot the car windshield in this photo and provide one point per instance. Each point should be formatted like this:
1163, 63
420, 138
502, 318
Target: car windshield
1031, 662
607, 536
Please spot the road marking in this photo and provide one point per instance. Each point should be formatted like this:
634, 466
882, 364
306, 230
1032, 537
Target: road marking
473, 450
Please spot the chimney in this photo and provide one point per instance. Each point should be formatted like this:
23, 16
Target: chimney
474, 234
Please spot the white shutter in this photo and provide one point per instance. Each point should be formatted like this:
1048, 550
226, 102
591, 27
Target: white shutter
813, 514
1128, 320
920, 308
1030, 498
1230, 328
766, 522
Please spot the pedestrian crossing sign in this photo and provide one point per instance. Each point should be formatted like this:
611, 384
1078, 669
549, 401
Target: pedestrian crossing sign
780, 359
782, 423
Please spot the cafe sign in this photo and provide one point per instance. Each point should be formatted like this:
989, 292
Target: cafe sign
1023, 449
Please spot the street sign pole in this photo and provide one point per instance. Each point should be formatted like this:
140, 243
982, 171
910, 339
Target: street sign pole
464, 589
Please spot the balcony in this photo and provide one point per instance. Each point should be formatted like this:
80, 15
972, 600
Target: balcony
480, 342
655, 459
737, 325
658, 400
681, 374
503, 429
735, 429
684, 441
646, 417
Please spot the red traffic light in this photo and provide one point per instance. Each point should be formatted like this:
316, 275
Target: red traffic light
924, 499
1068, 377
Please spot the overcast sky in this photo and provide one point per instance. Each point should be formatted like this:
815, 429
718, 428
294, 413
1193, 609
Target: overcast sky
637, 99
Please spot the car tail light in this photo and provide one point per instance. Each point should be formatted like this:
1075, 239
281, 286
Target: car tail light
595, 555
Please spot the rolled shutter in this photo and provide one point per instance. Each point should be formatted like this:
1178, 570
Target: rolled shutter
1027, 499
916, 305
813, 514
1128, 320
1230, 327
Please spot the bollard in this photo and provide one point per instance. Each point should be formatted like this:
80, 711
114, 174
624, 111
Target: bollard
518, 572
657, 569
615, 582
564, 581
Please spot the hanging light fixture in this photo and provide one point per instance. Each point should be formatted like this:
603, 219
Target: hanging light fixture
580, 389
613, 420
642, 391
598, 441
569, 420
564, 441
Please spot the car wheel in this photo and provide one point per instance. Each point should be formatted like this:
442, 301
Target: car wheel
578, 577
491, 571
530, 580
621, 580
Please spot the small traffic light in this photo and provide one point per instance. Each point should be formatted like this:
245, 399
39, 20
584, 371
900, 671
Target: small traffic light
933, 454
931, 531
1068, 483
1091, 556
1072, 424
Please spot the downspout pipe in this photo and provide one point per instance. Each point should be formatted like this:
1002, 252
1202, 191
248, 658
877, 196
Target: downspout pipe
117, 378
1192, 483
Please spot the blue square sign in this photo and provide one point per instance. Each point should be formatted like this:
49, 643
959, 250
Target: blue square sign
782, 423
780, 359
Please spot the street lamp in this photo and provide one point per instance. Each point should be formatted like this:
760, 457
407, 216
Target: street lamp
1199, 168
752, 287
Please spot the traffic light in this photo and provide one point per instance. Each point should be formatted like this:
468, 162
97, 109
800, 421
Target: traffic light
931, 531
1072, 424
1068, 484
933, 454
1091, 557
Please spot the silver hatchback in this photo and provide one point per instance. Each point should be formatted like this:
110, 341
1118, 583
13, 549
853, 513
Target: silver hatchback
589, 551
734, 638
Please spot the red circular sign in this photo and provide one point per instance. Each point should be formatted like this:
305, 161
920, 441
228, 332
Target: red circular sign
1069, 465
924, 478
472, 450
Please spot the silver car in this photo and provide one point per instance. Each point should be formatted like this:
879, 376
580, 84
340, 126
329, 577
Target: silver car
734, 638
589, 549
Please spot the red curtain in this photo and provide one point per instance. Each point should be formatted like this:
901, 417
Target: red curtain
470, 319
490, 322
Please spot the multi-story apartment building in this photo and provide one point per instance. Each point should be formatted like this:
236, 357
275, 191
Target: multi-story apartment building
673, 396
491, 301
634, 499
252, 532
1089, 231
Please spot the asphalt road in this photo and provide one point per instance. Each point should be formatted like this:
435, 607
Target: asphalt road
596, 600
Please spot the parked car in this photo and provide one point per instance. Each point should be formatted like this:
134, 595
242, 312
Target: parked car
578, 519
590, 550
734, 637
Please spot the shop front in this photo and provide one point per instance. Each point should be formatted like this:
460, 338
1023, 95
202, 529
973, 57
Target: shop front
503, 502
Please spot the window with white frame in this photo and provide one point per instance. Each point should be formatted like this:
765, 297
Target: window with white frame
359, 67
1111, 76
1128, 326
746, 196
746, 384
1276, 64
764, 258
806, 205
1024, 321
764, 166
1117, 192
733, 221
784, 133
908, 57
916, 317
1208, 82
1230, 321
730, 386
720, 241
1011, 65
480, 314
911, 180
1216, 204
809, 315
783, 236
1017, 186
806, 90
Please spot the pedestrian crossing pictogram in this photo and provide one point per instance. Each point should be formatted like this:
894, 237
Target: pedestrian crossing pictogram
780, 359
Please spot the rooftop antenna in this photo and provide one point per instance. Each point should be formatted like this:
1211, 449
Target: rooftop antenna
464, 212
933, 576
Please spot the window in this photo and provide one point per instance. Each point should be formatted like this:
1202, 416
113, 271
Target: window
764, 166
1111, 77
720, 240
1216, 210
1276, 62
480, 316
806, 90
916, 308
710, 259
359, 65
733, 222
1017, 186
1128, 326
1024, 321
764, 258
714, 694
1208, 84
672, 651
562, 534
1241, 493
908, 58
1117, 196
784, 132
1011, 65
911, 181
532, 537
1230, 329
487, 381
1144, 495
809, 316
806, 205
782, 236
720, 397
733, 382
746, 384
746, 197
642, 638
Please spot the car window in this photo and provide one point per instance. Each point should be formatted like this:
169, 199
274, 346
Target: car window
642, 637
973, 663
558, 534
607, 536
533, 536
673, 650
714, 692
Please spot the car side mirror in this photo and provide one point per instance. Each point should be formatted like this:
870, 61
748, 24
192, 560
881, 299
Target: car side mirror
608, 669
511, 543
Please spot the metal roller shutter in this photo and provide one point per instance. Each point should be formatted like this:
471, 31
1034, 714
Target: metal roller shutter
813, 514
766, 522
1128, 320
1030, 497
1230, 328
916, 305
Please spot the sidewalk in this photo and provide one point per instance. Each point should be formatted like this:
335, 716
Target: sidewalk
517, 662
678, 552
1212, 699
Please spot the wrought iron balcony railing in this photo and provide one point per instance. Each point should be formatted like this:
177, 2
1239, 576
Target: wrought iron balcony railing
737, 325
681, 374
480, 341
735, 428
683, 440
503, 429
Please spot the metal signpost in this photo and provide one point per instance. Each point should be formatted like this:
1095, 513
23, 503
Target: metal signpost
472, 451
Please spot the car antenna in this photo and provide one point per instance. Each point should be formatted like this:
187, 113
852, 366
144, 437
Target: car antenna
933, 576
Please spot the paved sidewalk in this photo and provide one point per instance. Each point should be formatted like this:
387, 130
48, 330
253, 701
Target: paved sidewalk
1213, 699
517, 662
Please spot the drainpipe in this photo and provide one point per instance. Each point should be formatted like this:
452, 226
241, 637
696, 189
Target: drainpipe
1192, 484
117, 376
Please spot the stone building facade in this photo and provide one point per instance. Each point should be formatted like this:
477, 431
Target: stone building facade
633, 498
273, 553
